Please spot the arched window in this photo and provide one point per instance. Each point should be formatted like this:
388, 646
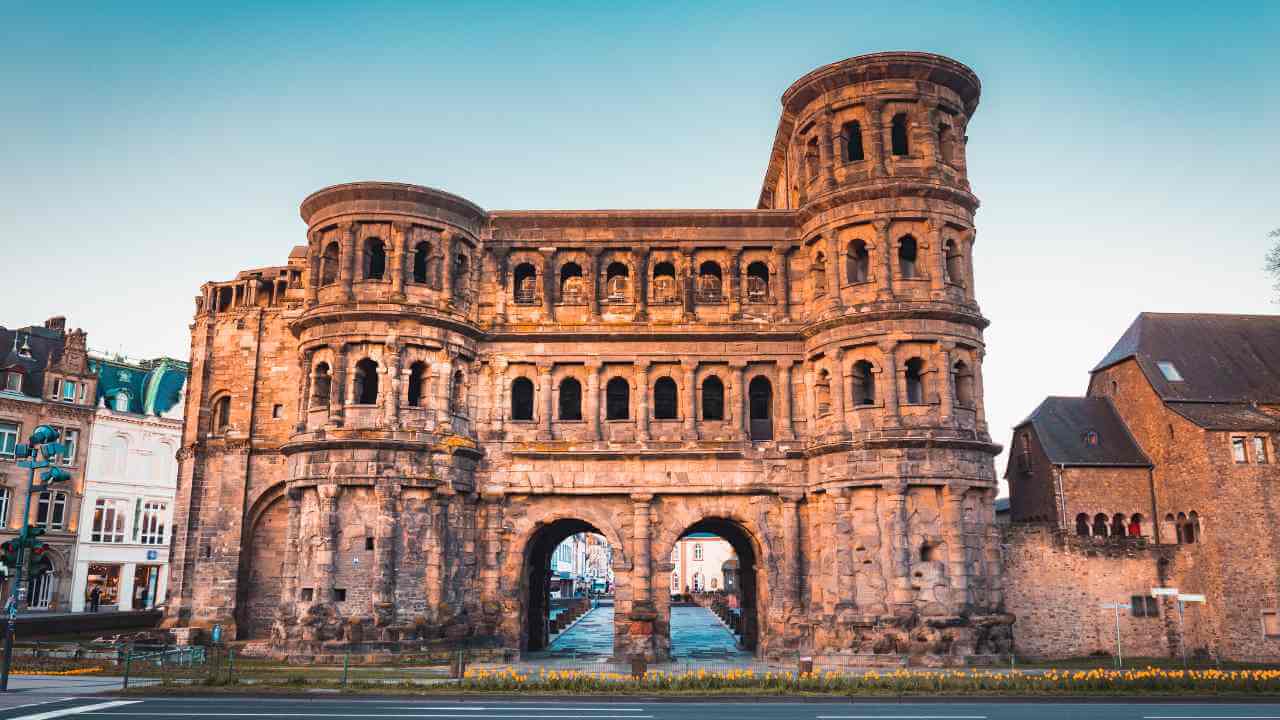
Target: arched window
1119, 528
617, 399
461, 275
366, 382
572, 289
818, 274
963, 383
1082, 525
522, 399
320, 384
122, 401
616, 281
898, 134
458, 393
664, 283
222, 414
852, 132
811, 158
665, 403
858, 262
1135, 525
421, 258
709, 281
946, 144
1100, 525
712, 399
416, 373
760, 400
907, 252
864, 384
954, 263
1193, 528
757, 282
822, 392
329, 264
525, 284
375, 259
914, 374
570, 399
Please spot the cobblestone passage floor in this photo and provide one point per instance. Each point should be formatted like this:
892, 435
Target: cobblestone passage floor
695, 632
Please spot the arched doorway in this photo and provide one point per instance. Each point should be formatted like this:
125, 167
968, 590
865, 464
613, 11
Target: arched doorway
714, 591
568, 573
262, 574
760, 394
42, 584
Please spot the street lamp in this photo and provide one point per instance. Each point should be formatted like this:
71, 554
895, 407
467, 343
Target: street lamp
41, 451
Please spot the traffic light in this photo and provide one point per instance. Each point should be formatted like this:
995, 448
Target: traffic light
9, 553
44, 434
53, 450
54, 475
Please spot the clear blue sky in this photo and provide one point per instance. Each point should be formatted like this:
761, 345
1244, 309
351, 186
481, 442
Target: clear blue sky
1126, 153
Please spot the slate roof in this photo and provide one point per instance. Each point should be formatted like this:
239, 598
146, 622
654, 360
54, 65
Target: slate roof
1221, 358
1061, 424
46, 347
152, 387
1226, 416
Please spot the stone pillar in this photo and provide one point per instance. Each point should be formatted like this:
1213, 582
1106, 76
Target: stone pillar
548, 401
389, 391
446, 268
350, 254
314, 255
839, 384
844, 552
979, 395
443, 377
592, 274
894, 534
490, 578
385, 533
326, 556
946, 399
593, 398
991, 549
824, 150
504, 290
289, 594
966, 243
782, 261
938, 255
833, 271
434, 576
641, 585
642, 284
400, 248
642, 400
811, 397
742, 413
305, 361
690, 368
875, 113
689, 284
338, 386
735, 287
787, 431
550, 289
884, 289
889, 381
953, 534
499, 409
791, 548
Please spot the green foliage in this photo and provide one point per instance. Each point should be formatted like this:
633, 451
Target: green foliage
1273, 261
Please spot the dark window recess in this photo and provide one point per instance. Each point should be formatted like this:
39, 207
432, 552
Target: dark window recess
375, 259
570, 399
329, 264
915, 381
366, 382
307, 594
416, 373
665, 405
339, 595
617, 399
525, 284
858, 262
898, 134
864, 384
1082, 525
760, 400
368, 543
712, 399
907, 254
277, 410
522, 399
852, 141
1144, 606
421, 253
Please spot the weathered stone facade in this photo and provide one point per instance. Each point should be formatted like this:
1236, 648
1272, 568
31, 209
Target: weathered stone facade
387, 437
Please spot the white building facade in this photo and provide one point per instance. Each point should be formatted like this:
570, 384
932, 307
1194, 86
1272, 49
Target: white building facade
130, 485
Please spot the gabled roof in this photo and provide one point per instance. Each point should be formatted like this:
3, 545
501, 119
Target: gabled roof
1062, 423
1221, 358
1226, 416
31, 350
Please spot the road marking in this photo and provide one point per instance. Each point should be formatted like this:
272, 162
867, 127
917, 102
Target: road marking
475, 708
902, 717
335, 715
1211, 717
82, 710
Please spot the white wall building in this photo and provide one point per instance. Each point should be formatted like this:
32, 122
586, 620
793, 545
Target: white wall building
699, 560
130, 482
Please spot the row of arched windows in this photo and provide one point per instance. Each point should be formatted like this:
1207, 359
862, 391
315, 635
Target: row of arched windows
899, 143
424, 269
1115, 526
709, 282
864, 384
1186, 527
858, 263
365, 385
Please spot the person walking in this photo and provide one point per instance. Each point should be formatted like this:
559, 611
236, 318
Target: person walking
95, 598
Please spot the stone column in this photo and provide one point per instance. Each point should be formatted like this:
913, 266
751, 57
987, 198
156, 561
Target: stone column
443, 377
938, 255
839, 384
953, 534
326, 556
811, 397
824, 149
504, 290
314, 255
289, 595
593, 398
735, 287
641, 580
946, 399
875, 111
742, 413
386, 531
592, 274
490, 578
894, 534
690, 368
548, 401
499, 410
550, 282
338, 386
642, 284
784, 400
884, 289
642, 400
689, 284
844, 552
791, 547
833, 271
889, 381
782, 261
305, 361
434, 576
979, 395
966, 242
400, 240
350, 253
446, 268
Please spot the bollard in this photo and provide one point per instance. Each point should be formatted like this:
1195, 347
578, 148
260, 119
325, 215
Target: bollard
639, 666
346, 667
127, 654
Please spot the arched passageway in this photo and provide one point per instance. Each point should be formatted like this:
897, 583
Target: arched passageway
715, 562
548, 582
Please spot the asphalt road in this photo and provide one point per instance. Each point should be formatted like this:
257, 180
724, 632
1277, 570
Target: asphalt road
101, 708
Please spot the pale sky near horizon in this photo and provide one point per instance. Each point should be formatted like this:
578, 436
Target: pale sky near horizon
1125, 153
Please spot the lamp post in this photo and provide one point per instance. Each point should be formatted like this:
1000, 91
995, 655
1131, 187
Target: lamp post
1117, 606
40, 452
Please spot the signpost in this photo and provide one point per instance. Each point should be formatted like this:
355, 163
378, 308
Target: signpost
1182, 599
1117, 607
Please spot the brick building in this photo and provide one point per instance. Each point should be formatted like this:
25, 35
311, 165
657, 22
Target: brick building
387, 436
1162, 476
45, 379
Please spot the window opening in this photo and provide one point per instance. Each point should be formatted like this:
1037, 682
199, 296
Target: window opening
525, 284
760, 395
421, 257
1260, 450
617, 399
907, 254
328, 265
864, 383
1169, 370
1082, 525
898, 134
222, 413
570, 399
664, 283
616, 281
375, 259
1238, 451
1100, 525
458, 393
712, 399
852, 132
522, 399
709, 282
320, 386
665, 403
954, 265
757, 282
572, 286
915, 381
366, 382
858, 262
964, 384
416, 373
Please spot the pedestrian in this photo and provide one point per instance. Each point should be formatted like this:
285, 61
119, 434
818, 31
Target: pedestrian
95, 598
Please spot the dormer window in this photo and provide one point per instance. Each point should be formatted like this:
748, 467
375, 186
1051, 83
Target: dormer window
1091, 438
12, 381
68, 391
122, 402
1169, 370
